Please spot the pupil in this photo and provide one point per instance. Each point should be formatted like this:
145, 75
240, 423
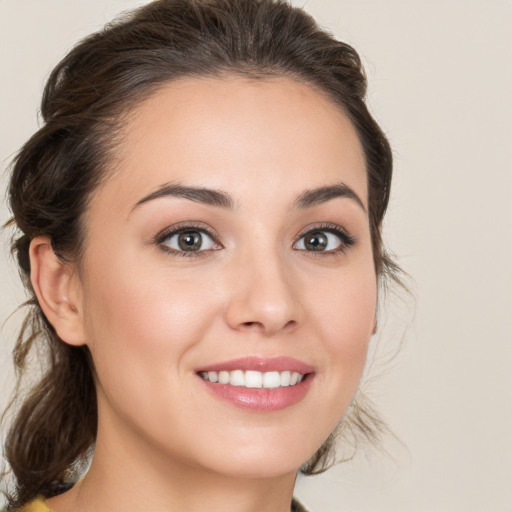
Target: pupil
189, 241
316, 242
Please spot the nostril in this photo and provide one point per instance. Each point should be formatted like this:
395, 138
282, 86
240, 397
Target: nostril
253, 325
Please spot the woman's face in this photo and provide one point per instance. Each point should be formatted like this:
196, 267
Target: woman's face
230, 242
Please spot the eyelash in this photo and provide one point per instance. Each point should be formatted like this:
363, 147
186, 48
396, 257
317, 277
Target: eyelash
176, 230
346, 240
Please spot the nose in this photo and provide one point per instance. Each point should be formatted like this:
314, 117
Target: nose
264, 296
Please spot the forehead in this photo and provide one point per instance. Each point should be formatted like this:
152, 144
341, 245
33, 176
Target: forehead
237, 134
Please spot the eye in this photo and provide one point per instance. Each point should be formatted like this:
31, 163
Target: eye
324, 239
187, 240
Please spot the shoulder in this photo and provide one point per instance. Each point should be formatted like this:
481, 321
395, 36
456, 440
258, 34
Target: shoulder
38, 505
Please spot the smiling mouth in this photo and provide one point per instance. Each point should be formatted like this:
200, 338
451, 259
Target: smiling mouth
254, 379
260, 384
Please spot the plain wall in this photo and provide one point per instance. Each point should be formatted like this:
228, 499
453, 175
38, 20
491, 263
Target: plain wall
440, 77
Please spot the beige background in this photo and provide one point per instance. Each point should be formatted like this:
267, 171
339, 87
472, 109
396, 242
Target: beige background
440, 84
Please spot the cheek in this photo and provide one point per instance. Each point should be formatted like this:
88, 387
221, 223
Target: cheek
144, 315
345, 316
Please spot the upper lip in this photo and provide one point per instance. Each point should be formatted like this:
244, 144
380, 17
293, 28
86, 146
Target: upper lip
261, 364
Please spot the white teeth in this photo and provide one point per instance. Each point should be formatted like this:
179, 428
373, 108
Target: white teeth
236, 378
254, 379
294, 378
271, 380
224, 377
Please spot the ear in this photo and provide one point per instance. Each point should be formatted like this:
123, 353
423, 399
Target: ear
58, 291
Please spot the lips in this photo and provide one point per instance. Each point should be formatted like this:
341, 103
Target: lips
261, 364
257, 383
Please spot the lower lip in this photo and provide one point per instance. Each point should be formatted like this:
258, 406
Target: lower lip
261, 399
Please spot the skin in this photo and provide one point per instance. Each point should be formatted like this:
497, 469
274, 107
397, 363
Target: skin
151, 318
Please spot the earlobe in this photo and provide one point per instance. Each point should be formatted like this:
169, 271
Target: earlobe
58, 291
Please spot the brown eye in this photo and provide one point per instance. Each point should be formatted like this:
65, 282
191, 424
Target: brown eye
330, 239
316, 241
188, 240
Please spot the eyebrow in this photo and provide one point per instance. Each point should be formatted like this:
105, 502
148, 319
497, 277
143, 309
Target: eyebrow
221, 199
310, 198
197, 194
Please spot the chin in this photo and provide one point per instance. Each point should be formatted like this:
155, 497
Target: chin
261, 467
261, 460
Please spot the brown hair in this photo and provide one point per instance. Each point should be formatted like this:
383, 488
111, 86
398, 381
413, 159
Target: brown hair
58, 169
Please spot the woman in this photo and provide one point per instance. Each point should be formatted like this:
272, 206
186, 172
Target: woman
200, 227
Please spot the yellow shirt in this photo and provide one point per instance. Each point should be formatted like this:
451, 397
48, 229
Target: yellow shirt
38, 505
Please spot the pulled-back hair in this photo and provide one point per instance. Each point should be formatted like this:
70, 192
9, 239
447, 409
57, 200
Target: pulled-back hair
85, 101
